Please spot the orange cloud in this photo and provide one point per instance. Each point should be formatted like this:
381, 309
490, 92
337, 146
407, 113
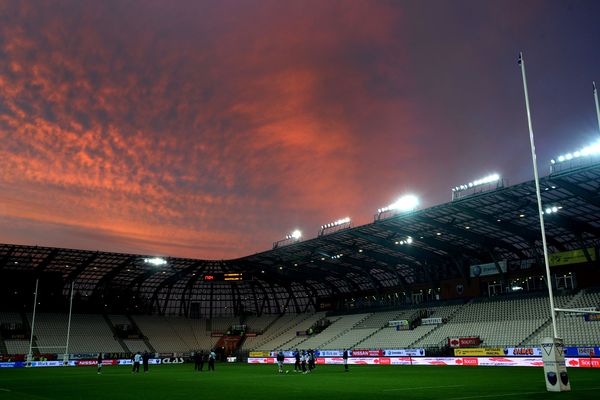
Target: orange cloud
195, 131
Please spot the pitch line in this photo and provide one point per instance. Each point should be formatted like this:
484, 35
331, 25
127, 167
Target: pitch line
422, 387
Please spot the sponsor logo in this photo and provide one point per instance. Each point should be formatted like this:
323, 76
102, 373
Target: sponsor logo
547, 347
479, 352
366, 353
470, 361
177, 360
520, 351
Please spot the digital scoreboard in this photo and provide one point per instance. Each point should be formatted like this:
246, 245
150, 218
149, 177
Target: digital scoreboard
219, 277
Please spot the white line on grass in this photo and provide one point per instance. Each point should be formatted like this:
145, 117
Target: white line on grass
4, 390
422, 387
490, 396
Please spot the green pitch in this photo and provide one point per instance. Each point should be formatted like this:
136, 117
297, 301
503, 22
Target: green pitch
259, 382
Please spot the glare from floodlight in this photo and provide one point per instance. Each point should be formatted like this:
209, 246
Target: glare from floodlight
479, 182
339, 222
408, 240
295, 235
156, 261
593, 149
405, 203
552, 209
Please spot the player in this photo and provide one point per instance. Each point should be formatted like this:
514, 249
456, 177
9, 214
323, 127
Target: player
280, 359
297, 363
212, 356
345, 357
136, 362
303, 359
99, 363
146, 359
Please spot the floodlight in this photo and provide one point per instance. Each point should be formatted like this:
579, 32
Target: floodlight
295, 235
290, 238
472, 186
156, 261
405, 203
552, 209
593, 149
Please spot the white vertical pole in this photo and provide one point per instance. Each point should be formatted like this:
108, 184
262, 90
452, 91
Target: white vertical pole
30, 354
66, 355
539, 196
597, 106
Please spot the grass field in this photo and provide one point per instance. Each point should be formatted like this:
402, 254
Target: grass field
242, 381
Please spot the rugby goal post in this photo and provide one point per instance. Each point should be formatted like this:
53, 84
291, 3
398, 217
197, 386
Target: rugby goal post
65, 348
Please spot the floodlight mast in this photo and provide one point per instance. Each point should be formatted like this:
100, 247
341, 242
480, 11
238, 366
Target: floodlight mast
290, 238
538, 194
340, 224
406, 203
490, 182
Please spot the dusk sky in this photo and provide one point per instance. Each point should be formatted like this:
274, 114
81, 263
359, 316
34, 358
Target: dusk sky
210, 129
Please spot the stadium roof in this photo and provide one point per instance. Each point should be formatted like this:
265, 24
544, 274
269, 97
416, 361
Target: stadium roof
491, 226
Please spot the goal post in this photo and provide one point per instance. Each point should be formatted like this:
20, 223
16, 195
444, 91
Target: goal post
62, 349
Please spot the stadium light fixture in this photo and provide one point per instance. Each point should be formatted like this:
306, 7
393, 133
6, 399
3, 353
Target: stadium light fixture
579, 155
477, 186
297, 234
408, 240
552, 210
406, 203
290, 238
156, 261
335, 226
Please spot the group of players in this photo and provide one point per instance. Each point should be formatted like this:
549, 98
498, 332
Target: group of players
137, 359
305, 361
200, 357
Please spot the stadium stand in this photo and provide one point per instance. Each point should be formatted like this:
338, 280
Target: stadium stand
286, 338
89, 333
339, 327
572, 327
175, 334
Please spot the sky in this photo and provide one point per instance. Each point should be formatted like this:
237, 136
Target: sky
211, 129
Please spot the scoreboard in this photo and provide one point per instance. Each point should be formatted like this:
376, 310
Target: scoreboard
219, 277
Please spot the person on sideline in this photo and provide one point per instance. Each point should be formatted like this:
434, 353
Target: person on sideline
345, 357
297, 363
145, 360
212, 356
280, 359
99, 363
136, 362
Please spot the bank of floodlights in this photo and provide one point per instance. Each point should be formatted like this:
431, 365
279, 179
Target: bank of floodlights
290, 238
402, 242
492, 181
406, 203
552, 210
335, 226
156, 261
586, 155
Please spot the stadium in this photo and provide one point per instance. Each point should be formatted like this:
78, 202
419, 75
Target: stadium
458, 284
310, 199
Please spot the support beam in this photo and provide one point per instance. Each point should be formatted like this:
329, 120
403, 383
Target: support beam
485, 243
81, 267
46, 261
527, 234
584, 194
